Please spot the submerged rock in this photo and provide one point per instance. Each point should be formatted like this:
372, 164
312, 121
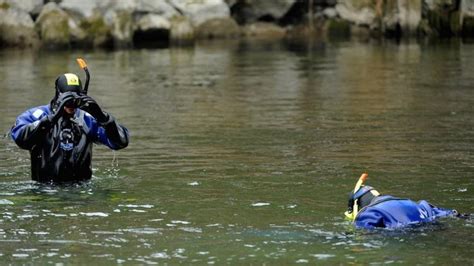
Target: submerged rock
53, 26
17, 28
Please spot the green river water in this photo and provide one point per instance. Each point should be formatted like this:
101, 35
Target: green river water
244, 153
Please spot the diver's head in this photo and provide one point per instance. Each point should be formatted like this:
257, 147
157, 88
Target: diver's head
363, 197
360, 197
67, 82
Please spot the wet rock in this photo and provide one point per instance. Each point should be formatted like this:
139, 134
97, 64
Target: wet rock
254, 10
87, 27
152, 22
389, 17
17, 28
107, 6
231, 2
202, 11
53, 26
181, 31
401, 17
92, 32
29, 6
120, 23
338, 28
162, 8
158, 7
467, 17
358, 12
443, 17
151, 30
330, 13
81, 8
264, 30
76, 33
218, 28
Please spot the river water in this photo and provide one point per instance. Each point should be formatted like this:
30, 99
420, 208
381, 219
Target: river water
244, 153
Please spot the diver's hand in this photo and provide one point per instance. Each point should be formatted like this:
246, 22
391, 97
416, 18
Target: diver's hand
63, 100
90, 105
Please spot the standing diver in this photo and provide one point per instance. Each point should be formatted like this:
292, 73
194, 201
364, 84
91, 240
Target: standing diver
60, 135
368, 209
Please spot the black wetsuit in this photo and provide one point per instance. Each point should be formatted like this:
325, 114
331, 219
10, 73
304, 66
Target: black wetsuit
62, 151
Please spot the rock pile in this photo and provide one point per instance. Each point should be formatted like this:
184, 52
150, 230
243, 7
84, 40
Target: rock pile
129, 23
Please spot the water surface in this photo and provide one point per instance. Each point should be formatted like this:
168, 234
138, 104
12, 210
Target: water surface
245, 152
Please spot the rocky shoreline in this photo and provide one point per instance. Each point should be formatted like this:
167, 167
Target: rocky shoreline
64, 24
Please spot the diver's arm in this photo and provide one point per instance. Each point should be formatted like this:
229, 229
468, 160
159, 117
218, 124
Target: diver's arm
33, 124
29, 129
109, 132
112, 134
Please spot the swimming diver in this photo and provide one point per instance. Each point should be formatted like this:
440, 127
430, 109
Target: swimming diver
368, 209
60, 135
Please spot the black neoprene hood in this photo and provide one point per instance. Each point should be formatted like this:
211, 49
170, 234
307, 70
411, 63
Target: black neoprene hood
68, 82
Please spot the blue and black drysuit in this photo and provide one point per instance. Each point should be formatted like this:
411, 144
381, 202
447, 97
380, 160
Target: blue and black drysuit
61, 151
390, 212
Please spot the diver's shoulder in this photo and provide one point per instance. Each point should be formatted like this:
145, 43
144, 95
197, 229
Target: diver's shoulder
37, 111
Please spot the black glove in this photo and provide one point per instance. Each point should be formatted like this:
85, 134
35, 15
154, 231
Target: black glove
90, 105
63, 100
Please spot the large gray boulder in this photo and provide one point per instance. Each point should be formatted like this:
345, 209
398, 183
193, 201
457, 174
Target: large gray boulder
388, 17
250, 11
182, 31
263, 30
53, 26
275, 8
152, 22
218, 28
467, 8
116, 5
87, 27
360, 12
201, 11
120, 23
17, 28
29, 6
404, 15
442, 17
90, 32
159, 7
467, 18
81, 8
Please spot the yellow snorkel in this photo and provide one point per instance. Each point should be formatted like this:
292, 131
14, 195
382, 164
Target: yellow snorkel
352, 215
